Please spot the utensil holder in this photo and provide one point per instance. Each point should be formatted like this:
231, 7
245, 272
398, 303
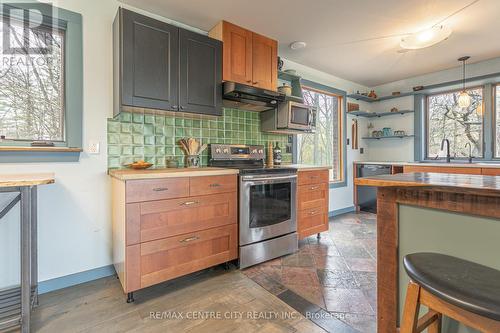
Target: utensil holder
192, 161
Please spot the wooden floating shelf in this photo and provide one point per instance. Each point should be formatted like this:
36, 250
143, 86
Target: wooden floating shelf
367, 114
365, 98
288, 76
388, 137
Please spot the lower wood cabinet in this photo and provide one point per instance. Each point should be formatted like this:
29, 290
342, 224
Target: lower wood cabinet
312, 202
171, 257
156, 240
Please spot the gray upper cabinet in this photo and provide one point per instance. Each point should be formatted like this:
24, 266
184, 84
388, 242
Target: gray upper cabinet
160, 66
200, 73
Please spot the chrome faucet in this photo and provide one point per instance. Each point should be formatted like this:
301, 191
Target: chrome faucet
448, 157
470, 151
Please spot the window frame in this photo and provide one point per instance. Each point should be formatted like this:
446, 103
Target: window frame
494, 88
425, 140
68, 150
57, 143
342, 95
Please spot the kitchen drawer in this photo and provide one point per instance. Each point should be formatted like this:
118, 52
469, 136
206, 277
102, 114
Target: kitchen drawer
156, 189
167, 218
313, 195
165, 259
312, 221
313, 177
212, 185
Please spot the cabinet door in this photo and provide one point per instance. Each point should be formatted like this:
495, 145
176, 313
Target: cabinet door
237, 54
150, 62
200, 88
264, 62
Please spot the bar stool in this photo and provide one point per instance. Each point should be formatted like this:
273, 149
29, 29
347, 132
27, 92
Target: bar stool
449, 286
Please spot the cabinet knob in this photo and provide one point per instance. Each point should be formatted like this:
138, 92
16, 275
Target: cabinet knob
255, 82
175, 107
249, 81
182, 108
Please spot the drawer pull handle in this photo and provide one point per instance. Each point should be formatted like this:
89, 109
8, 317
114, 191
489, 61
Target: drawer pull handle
313, 177
160, 189
189, 239
314, 187
314, 212
215, 185
189, 203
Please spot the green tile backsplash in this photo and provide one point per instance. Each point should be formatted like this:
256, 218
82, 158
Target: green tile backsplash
154, 138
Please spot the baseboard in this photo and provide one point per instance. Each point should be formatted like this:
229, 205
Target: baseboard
74, 279
341, 211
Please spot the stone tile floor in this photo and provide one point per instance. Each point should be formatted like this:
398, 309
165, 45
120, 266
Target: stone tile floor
336, 273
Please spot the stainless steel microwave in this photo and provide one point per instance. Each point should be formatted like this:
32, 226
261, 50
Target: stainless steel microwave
289, 117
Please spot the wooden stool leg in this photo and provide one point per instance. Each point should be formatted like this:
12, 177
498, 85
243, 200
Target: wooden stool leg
411, 309
435, 327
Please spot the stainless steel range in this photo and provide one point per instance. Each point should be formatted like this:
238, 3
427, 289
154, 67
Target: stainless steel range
267, 203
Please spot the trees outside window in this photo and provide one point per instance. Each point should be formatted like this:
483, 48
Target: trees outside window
32, 83
324, 146
446, 119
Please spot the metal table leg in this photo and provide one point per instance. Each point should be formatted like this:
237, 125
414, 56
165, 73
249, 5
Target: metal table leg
26, 262
34, 245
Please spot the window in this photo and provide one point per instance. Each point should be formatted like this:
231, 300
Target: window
445, 119
497, 120
325, 146
32, 82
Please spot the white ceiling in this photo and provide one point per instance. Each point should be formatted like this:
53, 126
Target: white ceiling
344, 37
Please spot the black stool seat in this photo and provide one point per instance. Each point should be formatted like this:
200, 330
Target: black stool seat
470, 286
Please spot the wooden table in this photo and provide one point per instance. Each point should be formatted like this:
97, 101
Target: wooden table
476, 195
16, 303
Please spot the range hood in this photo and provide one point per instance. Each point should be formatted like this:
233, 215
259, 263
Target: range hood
241, 96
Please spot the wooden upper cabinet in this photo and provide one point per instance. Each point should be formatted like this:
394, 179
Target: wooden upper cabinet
264, 62
248, 58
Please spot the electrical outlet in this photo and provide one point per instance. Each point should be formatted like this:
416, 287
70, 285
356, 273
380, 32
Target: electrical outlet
93, 147
361, 150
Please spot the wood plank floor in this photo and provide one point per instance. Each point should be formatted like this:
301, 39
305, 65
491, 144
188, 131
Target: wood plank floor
99, 306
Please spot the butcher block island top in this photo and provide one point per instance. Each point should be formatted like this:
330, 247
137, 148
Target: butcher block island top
129, 174
26, 179
458, 182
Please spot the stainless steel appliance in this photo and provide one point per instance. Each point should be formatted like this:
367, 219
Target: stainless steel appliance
267, 203
250, 98
290, 117
367, 195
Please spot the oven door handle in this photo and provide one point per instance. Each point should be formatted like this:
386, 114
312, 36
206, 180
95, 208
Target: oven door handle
267, 179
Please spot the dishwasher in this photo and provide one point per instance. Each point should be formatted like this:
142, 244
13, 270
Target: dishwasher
367, 195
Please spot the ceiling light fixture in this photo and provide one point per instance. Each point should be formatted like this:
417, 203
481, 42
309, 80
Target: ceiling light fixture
463, 98
426, 38
298, 45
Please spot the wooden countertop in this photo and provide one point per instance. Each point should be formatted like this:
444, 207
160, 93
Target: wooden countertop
26, 179
437, 164
130, 174
306, 167
424, 179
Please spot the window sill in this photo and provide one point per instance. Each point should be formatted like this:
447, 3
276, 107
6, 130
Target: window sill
20, 154
41, 149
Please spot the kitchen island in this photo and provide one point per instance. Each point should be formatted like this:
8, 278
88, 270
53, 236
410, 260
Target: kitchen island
454, 214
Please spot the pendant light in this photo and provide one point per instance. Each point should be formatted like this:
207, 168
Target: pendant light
463, 98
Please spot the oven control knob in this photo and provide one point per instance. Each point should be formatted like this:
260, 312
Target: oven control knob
254, 151
261, 151
217, 151
225, 151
